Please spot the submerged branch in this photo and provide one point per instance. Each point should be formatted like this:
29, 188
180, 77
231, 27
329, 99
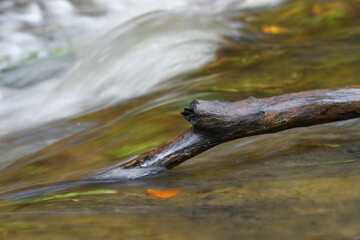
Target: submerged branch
217, 122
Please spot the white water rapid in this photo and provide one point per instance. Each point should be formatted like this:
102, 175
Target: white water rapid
116, 50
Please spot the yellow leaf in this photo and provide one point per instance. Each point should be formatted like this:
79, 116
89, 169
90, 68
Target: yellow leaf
273, 29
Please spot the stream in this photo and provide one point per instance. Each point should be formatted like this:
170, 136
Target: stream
87, 85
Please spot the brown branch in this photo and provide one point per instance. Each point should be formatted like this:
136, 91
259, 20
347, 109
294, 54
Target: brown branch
217, 122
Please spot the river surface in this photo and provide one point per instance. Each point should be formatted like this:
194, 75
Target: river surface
85, 85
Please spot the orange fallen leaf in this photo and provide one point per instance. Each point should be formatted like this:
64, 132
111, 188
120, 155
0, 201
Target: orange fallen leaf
162, 193
273, 29
317, 9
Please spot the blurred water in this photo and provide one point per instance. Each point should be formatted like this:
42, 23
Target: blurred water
146, 44
118, 92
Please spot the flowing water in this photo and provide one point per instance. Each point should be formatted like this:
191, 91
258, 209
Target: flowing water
86, 85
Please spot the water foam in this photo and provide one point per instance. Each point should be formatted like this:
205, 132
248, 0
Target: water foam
147, 47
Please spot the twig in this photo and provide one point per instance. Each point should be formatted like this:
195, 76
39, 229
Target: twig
217, 122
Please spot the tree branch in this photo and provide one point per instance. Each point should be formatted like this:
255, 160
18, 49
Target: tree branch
217, 122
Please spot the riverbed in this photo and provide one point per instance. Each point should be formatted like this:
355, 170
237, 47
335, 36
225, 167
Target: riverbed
117, 89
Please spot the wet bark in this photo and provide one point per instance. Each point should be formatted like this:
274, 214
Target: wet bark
217, 122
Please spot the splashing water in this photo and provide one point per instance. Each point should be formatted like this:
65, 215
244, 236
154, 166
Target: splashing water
114, 57
156, 44
300, 183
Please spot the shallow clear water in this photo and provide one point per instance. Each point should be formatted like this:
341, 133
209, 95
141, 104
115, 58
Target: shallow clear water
296, 184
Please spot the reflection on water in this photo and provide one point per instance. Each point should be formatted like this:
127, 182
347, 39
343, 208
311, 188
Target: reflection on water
297, 184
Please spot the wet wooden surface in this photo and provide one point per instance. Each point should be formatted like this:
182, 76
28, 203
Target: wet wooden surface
217, 122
